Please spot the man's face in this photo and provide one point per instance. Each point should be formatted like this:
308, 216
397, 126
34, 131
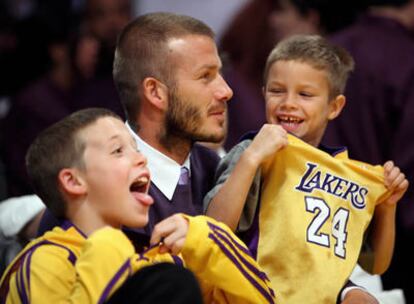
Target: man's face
198, 98
297, 98
116, 175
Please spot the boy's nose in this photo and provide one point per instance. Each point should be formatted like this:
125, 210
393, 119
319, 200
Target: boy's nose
140, 159
289, 102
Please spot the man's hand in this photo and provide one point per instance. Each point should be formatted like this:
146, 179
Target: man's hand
359, 296
170, 234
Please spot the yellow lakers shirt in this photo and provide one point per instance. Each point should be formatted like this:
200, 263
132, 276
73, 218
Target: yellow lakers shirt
314, 209
65, 266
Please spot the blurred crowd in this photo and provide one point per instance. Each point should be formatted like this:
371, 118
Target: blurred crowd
56, 58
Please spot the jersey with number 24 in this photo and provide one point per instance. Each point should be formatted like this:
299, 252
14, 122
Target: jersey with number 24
314, 209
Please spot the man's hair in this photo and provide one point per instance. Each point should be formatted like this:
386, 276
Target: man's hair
142, 52
320, 54
58, 147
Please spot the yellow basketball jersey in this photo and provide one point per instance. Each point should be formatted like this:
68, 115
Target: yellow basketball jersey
314, 209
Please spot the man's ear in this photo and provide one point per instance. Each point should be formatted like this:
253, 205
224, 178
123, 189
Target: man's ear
336, 105
155, 92
72, 182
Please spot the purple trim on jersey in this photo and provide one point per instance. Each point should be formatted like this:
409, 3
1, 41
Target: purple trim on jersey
20, 287
251, 237
113, 281
333, 151
72, 257
266, 294
141, 255
66, 225
229, 236
177, 260
251, 267
254, 241
27, 258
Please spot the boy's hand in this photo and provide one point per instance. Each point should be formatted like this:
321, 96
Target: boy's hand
395, 181
270, 139
170, 233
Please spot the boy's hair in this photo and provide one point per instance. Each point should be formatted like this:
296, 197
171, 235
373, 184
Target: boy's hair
142, 52
320, 54
58, 147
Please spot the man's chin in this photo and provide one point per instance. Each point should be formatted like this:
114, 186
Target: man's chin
211, 138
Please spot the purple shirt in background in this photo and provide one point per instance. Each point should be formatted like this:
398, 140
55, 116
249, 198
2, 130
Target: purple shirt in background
377, 123
246, 110
37, 107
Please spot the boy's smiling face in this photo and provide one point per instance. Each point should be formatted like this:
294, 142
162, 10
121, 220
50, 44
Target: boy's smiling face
297, 98
115, 174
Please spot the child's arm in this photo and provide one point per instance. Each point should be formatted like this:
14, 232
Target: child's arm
223, 265
227, 205
383, 229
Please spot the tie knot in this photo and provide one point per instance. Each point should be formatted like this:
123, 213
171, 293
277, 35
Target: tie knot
184, 176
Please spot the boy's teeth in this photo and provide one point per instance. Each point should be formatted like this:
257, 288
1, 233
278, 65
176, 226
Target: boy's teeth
143, 180
289, 119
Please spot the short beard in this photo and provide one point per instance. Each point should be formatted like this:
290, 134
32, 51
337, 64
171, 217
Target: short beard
182, 124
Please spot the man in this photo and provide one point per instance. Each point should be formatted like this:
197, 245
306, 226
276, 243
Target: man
167, 72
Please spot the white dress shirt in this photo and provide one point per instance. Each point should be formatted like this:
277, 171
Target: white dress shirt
165, 172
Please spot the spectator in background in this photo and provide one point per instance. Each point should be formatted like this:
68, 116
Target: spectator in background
244, 47
380, 109
42, 102
75, 72
102, 20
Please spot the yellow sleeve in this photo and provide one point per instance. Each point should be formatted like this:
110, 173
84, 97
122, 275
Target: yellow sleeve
104, 264
224, 266
46, 275
106, 261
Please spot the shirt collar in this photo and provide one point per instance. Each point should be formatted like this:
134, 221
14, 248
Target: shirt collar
165, 172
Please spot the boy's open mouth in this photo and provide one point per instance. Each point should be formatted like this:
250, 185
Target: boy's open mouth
289, 119
289, 123
140, 185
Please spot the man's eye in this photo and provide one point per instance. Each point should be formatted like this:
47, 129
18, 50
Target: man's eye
206, 76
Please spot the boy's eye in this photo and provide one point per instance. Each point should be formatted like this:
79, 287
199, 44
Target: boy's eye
306, 94
117, 150
275, 91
